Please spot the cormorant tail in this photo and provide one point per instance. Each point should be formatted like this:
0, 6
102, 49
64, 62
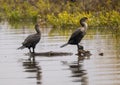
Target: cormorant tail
64, 45
22, 47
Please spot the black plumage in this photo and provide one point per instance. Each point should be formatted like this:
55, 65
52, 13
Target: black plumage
32, 40
77, 35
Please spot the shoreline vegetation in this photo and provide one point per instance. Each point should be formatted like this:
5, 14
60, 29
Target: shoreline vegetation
62, 13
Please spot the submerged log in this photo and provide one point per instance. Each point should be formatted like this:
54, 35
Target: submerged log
51, 53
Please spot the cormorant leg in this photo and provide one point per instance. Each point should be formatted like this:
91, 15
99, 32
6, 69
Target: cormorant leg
78, 47
33, 49
81, 47
29, 50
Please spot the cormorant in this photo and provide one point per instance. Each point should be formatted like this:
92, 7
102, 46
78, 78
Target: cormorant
77, 35
32, 40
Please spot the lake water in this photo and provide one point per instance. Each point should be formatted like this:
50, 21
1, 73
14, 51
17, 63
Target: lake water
17, 69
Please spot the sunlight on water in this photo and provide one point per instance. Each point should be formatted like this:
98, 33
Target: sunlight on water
17, 69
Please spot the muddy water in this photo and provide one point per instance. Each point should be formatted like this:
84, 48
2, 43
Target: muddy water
16, 69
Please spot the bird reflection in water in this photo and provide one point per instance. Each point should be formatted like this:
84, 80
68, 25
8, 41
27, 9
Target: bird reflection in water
31, 66
79, 73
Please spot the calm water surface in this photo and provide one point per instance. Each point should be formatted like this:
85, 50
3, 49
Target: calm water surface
16, 69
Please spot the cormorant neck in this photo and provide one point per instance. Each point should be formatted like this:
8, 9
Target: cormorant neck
37, 30
84, 24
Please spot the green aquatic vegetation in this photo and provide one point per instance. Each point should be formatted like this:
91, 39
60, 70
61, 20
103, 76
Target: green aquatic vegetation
15, 15
110, 18
62, 14
65, 19
18, 11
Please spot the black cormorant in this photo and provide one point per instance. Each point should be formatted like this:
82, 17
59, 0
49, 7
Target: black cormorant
32, 40
77, 35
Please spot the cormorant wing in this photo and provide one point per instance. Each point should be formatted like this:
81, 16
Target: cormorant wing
76, 36
75, 33
31, 39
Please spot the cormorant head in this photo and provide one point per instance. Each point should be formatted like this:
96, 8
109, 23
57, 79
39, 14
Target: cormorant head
82, 20
36, 25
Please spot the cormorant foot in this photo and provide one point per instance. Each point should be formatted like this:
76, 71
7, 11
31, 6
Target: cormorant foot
80, 47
